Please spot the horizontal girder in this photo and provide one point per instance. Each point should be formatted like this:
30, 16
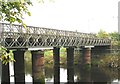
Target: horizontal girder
16, 36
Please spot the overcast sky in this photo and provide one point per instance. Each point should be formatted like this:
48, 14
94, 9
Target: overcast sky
80, 15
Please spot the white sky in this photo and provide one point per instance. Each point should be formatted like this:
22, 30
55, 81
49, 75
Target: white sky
80, 15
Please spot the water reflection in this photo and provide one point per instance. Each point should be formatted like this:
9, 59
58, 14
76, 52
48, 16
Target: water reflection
93, 75
96, 74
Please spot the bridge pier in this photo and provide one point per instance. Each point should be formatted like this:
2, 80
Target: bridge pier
86, 53
37, 67
19, 68
70, 64
5, 78
56, 54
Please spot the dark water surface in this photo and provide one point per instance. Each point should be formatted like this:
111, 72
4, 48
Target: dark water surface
94, 74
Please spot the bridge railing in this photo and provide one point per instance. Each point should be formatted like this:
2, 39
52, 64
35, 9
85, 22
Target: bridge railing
39, 30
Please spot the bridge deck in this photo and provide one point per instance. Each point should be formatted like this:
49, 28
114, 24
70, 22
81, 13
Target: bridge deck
16, 36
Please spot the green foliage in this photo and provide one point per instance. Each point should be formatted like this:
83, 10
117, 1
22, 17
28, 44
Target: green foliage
115, 38
87, 67
62, 52
5, 56
62, 49
102, 34
77, 57
27, 56
12, 11
104, 61
48, 56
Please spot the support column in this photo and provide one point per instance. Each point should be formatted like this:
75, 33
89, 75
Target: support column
37, 67
19, 69
5, 74
86, 55
70, 64
80, 56
56, 54
85, 69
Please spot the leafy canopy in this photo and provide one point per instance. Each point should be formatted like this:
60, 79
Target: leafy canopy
102, 34
6, 57
12, 11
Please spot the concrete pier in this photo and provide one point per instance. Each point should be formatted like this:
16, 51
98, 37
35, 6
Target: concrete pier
5, 74
37, 67
70, 64
19, 68
56, 54
86, 53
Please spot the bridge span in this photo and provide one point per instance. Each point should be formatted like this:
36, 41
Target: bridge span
17, 37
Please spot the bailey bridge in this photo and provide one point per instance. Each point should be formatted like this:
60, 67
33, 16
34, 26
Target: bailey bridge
17, 37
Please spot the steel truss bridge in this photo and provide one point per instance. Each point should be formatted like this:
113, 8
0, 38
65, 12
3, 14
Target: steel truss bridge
16, 36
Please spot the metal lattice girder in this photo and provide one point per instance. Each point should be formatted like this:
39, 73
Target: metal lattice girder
16, 36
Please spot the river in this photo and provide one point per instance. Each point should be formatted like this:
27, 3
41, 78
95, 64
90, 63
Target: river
104, 75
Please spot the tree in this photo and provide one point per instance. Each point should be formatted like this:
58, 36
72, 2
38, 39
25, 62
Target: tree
115, 36
12, 11
102, 34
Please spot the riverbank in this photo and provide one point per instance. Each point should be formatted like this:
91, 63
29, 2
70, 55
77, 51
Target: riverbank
110, 60
100, 71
